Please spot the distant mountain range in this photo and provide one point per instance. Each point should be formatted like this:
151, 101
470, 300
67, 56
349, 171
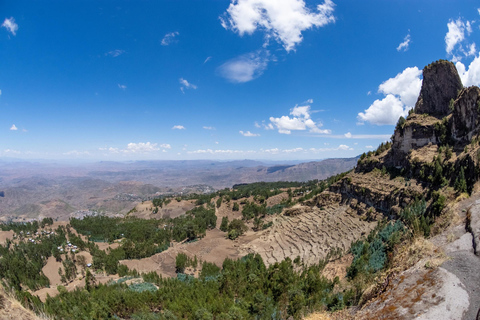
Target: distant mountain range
38, 189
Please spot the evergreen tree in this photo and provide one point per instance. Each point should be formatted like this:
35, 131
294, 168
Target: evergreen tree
461, 184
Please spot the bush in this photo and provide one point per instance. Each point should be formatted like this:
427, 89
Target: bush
236, 207
236, 228
224, 224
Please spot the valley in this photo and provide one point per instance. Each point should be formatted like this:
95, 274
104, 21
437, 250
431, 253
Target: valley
396, 237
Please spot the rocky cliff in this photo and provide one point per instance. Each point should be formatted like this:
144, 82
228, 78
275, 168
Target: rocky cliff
441, 83
429, 148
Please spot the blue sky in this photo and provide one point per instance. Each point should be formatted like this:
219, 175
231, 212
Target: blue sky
256, 79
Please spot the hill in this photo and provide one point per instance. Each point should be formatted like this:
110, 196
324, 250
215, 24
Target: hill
37, 190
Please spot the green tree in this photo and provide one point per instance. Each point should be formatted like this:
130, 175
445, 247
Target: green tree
461, 184
236, 207
224, 224
181, 262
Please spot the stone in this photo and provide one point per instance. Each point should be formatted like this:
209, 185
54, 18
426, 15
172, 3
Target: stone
441, 83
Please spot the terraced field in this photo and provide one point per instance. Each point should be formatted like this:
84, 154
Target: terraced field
310, 234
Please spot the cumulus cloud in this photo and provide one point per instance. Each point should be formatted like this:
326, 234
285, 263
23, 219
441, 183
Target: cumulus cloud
299, 120
165, 146
369, 147
10, 25
13, 127
115, 53
169, 38
348, 135
184, 84
246, 67
401, 94
404, 45
249, 134
122, 86
470, 77
281, 20
178, 127
141, 147
344, 147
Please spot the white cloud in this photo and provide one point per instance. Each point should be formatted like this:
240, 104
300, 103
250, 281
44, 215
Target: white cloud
282, 20
122, 86
11, 151
274, 150
13, 127
455, 34
184, 84
76, 153
456, 43
404, 45
249, 134
208, 128
369, 147
0, 92
210, 151
470, 77
206, 60
10, 25
348, 135
293, 150
166, 146
300, 120
246, 67
472, 50
401, 94
265, 126
169, 38
141, 147
406, 85
177, 127
344, 147
341, 147
383, 112
115, 53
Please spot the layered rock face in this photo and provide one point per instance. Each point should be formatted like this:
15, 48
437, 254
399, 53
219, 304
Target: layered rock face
465, 120
441, 83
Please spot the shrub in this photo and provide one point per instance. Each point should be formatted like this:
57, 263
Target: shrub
224, 224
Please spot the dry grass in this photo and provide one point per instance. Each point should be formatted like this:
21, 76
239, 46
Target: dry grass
12, 309
420, 252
